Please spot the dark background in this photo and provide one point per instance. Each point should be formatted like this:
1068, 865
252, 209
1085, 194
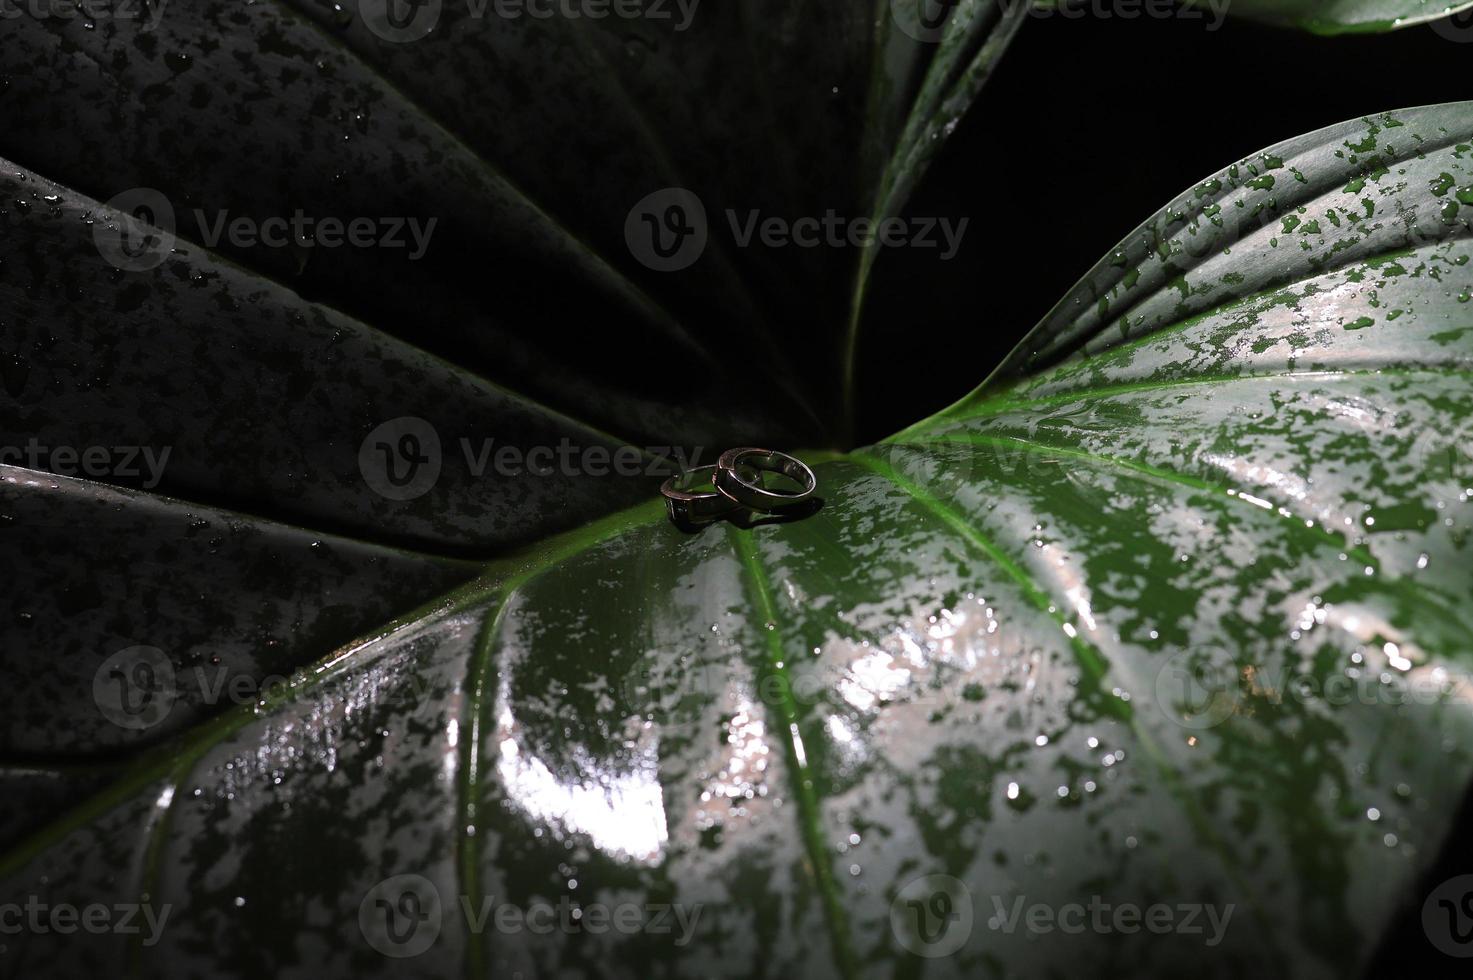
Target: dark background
1088, 127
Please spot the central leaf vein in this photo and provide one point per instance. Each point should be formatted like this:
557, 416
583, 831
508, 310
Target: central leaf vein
810, 818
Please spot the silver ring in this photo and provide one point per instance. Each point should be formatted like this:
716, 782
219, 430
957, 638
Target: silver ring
687, 506
736, 465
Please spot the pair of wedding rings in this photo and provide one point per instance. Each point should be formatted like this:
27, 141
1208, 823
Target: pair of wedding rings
739, 482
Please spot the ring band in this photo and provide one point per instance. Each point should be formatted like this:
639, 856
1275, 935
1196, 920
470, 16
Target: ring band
735, 465
687, 506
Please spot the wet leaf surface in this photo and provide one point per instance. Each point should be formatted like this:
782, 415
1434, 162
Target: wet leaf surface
1169, 611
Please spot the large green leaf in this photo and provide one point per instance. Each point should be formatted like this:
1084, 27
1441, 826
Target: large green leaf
262, 372
1238, 449
264, 375
529, 140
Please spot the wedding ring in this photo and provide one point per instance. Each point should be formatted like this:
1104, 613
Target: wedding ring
737, 467
690, 506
